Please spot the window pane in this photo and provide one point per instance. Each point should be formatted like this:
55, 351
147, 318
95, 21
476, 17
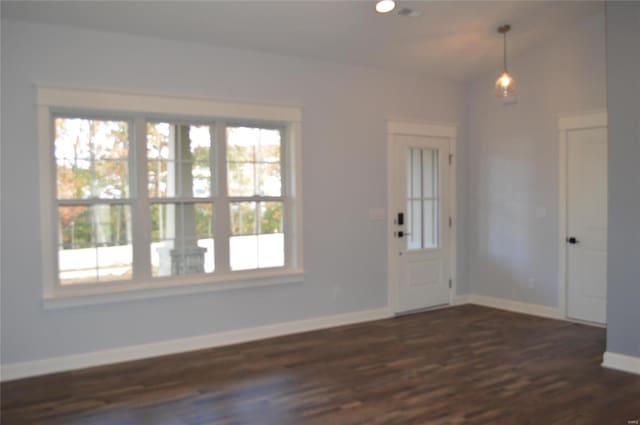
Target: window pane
414, 221
269, 147
201, 177
253, 161
241, 144
199, 143
95, 243
256, 244
269, 180
430, 173
241, 178
158, 141
75, 227
271, 250
91, 158
161, 178
179, 160
90, 139
414, 168
243, 218
115, 262
270, 217
430, 212
243, 252
182, 239
74, 178
111, 179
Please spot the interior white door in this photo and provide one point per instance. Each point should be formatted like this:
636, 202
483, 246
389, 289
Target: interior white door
587, 224
421, 230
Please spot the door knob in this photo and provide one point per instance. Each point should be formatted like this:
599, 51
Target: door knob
572, 240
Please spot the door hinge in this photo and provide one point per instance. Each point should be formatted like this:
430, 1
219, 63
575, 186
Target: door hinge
450, 283
450, 222
450, 158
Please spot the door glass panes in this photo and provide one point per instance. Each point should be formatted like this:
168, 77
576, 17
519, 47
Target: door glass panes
257, 237
179, 160
422, 199
253, 161
181, 239
95, 243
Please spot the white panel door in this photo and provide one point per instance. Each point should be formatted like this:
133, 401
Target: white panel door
587, 224
421, 194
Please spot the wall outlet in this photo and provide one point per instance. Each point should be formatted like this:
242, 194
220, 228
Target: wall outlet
531, 283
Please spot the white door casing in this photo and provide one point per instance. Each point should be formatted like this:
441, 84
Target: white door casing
583, 217
419, 186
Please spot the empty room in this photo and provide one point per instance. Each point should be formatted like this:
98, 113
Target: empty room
320, 212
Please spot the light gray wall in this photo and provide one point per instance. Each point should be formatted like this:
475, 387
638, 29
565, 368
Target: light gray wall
344, 155
512, 208
623, 92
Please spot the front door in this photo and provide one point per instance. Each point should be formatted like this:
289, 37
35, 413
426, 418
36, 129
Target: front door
587, 224
421, 221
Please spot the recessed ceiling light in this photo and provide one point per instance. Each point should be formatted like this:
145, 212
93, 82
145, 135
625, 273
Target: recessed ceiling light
385, 6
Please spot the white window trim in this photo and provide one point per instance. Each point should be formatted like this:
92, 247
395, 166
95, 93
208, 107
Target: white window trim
50, 99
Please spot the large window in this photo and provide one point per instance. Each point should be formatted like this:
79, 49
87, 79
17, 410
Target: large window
141, 197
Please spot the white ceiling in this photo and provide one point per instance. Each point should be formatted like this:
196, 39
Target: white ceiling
452, 39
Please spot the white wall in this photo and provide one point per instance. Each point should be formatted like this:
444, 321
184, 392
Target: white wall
511, 213
344, 174
623, 267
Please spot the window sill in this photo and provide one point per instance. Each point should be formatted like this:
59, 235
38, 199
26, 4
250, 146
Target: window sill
81, 296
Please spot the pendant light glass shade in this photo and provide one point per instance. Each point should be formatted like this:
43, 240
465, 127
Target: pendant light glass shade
505, 85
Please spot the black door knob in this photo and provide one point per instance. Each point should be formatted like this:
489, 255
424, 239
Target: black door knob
572, 240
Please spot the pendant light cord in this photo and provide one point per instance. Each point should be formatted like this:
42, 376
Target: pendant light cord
505, 51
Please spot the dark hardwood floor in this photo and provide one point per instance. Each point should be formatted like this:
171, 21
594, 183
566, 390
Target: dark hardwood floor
462, 365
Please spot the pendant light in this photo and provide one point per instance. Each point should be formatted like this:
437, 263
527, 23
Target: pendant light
505, 85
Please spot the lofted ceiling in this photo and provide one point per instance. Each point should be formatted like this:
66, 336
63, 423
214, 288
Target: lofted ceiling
451, 39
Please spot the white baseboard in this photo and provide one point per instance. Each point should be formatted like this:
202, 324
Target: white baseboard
460, 299
621, 362
510, 305
20, 370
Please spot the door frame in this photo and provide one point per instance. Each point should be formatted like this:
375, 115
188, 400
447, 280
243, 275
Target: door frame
429, 129
585, 120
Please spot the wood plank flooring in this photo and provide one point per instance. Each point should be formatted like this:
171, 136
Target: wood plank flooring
462, 365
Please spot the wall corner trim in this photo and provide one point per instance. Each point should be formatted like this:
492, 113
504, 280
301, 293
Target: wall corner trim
27, 369
621, 362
